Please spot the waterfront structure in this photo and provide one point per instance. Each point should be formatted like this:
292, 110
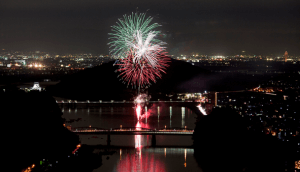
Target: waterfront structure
36, 86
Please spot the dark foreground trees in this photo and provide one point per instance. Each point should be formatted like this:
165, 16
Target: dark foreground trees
223, 143
32, 130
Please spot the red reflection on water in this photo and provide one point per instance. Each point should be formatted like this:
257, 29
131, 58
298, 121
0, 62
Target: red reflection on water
139, 125
143, 163
138, 139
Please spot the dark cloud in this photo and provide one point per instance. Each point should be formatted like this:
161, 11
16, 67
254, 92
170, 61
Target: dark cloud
262, 26
167, 4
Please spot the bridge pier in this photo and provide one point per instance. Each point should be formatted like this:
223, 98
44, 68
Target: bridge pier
153, 140
108, 139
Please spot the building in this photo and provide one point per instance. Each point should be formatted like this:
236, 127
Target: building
286, 54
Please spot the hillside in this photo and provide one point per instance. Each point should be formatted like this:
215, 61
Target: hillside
102, 82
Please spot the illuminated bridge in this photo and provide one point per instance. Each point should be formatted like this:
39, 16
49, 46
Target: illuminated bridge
133, 131
87, 103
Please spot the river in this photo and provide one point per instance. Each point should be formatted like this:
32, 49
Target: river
135, 154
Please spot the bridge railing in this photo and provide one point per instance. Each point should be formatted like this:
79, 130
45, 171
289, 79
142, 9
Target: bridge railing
134, 130
88, 128
124, 101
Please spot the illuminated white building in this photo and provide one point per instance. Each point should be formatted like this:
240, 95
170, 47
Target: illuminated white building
36, 86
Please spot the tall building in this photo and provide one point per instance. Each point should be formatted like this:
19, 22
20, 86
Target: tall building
286, 54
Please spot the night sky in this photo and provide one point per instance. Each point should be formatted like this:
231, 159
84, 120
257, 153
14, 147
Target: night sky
224, 27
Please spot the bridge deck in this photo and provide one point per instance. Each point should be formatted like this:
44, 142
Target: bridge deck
126, 102
135, 132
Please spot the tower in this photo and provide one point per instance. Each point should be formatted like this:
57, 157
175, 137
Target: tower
285, 56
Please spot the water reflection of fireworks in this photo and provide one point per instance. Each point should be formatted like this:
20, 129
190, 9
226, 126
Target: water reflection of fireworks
138, 138
143, 162
140, 101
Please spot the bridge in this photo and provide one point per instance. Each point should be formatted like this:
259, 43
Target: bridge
87, 103
132, 131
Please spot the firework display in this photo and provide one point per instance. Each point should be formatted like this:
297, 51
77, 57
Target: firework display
145, 50
142, 99
140, 74
140, 102
126, 30
141, 56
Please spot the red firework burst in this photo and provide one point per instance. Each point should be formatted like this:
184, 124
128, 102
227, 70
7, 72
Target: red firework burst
142, 73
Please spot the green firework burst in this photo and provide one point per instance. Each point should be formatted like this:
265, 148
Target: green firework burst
124, 31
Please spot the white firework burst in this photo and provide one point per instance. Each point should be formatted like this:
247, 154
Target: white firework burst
145, 49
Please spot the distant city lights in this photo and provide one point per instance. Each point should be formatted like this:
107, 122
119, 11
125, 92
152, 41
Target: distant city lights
36, 65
